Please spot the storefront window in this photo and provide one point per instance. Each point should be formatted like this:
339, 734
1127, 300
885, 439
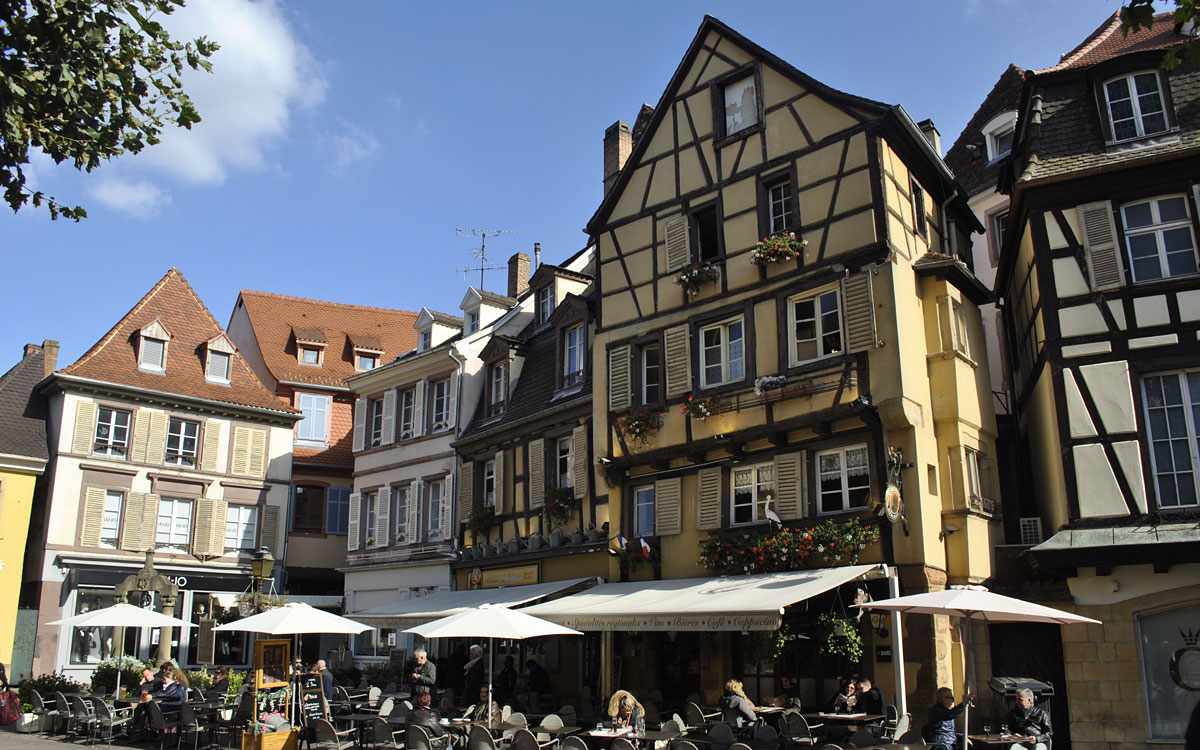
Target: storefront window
1171, 664
228, 648
91, 645
376, 642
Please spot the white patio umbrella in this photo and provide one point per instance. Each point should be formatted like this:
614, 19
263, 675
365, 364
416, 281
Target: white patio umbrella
122, 615
295, 618
975, 603
491, 621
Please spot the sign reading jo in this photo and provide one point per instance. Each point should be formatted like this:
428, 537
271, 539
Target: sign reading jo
180, 581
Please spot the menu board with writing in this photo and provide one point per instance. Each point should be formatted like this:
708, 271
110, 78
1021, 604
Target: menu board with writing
312, 703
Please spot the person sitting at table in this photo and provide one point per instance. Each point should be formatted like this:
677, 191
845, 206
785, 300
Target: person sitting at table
846, 700
150, 683
1028, 721
220, 684
174, 690
736, 705
625, 711
427, 716
789, 697
941, 729
481, 714
870, 699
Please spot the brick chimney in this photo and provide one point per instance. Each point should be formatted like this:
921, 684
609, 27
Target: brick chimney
50, 360
930, 131
618, 144
518, 275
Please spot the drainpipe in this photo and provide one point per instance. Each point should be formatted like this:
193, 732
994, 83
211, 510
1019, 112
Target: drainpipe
462, 366
947, 246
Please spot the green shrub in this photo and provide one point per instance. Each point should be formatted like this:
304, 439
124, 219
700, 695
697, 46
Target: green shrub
46, 685
380, 675
236, 680
199, 679
104, 679
346, 675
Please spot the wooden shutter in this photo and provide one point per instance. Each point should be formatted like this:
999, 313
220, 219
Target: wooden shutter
93, 516
579, 461
203, 536
141, 436
858, 305
149, 521
708, 498
211, 449
268, 533
220, 516
667, 511
240, 461
466, 489
352, 522
500, 494
448, 507
415, 492
452, 402
678, 360
790, 497
1100, 243
85, 428
360, 424
537, 472
419, 409
156, 442
383, 515
620, 392
132, 527
389, 418
257, 466
679, 251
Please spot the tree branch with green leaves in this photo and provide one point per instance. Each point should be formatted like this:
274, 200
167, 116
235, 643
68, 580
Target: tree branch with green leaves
1139, 14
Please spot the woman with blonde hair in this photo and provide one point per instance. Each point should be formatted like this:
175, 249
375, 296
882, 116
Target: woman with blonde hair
625, 710
736, 705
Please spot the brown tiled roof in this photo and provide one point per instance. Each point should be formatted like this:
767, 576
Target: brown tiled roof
310, 335
1107, 42
971, 167
173, 302
274, 317
22, 409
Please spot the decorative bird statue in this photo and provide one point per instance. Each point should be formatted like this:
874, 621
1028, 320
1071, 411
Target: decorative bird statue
771, 515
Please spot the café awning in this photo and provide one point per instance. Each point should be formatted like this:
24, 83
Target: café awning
754, 602
430, 607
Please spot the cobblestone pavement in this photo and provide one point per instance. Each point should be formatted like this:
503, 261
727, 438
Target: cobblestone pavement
10, 740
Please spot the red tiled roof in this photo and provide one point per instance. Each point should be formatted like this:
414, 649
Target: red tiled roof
1107, 42
274, 317
173, 302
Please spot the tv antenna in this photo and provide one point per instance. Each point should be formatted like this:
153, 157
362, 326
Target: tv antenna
480, 255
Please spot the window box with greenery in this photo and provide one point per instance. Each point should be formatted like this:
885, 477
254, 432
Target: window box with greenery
559, 505
480, 522
704, 406
840, 542
640, 427
695, 275
745, 554
776, 248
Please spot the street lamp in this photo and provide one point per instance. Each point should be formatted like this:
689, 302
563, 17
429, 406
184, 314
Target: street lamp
261, 565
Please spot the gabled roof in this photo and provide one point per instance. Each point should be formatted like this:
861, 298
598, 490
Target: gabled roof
1107, 42
172, 302
428, 316
279, 320
971, 167
539, 276
22, 410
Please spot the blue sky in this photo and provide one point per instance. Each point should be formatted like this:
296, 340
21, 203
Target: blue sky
344, 142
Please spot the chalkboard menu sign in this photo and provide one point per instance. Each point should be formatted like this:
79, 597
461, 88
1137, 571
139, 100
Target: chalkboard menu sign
312, 701
310, 681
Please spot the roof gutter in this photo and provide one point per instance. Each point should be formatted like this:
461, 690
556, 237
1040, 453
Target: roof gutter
313, 385
22, 464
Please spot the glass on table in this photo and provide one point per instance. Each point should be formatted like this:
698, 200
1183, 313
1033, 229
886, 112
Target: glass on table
987, 727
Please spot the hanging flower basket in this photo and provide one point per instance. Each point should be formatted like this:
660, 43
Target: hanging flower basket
559, 505
838, 636
696, 275
776, 248
250, 602
640, 427
703, 407
480, 520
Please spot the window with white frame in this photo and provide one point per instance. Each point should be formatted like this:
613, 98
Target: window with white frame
843, 479
497, 388
152, 354
1158, 235
1135, 105
974, 465
998, 133
917, 199
544, 303
564, 459
374, 422
408, 401
112, 432
364, 361
370, 502
337, 510
433, 518
741, 105
573, 355
241, 527
310, 355
441, 405
779, 200
643, 509
312, 427
650, 373
815, 321
753, 487
183, 437
400, 515
1172, 409
472, 322
489, 484
110, 526
217, 370
174, 532
425, 340
722, 353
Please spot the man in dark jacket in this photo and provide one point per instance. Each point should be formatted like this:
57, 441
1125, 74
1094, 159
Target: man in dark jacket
424, 674
870, 700
429, 718
326, 679
1030, 723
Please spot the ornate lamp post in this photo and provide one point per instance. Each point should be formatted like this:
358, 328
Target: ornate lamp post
261, 565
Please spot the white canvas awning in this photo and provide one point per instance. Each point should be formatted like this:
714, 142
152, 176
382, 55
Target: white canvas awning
753, 602
432, 607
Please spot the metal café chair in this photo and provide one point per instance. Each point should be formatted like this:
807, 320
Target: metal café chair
570, 743
417, 737
799, 729
325, 736
620, 743
721, 735
81, 717
108, 720
479, 738
739, 746
695, 715
684, 745
188, 724
159, 723
381, 734
385, 708
523, 739
46, 716
63, 710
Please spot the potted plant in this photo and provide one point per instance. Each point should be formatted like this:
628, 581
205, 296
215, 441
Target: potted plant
704, 406
559, 505
837, 635
640, 427
777, 247
769, 383
696, 275
480, 521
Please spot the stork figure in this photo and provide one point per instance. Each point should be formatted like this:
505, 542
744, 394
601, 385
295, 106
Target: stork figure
771, 515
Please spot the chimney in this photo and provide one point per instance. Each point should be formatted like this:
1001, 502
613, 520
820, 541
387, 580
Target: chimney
537, 255
930, 131
518, 275
50, 358
618, 144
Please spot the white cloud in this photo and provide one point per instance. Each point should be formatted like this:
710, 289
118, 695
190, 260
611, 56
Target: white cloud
352, 145
137, 197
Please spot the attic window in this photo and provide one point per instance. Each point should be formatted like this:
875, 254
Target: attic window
1135, 105
741, 105
999, 135
218, 367
425, 341
472, 322
310, 355
152, 347
365, 361
545, 303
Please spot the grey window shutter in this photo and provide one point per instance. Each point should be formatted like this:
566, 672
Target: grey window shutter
501, 495
360, 423
416, 493
383, 515
679, 360
858, 305
448, 508
389, 418
141, 436
85, 428
419, 409
620, 393
466, 490
133, 527
93, 516
708, 498
677, 241
211, 449
580, 469
667, 511
452, 402
1100, 241
537, 472
790, 475
269, 529
352, 522
203, 537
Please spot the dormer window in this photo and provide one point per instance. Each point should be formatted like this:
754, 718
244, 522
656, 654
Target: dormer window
310, 355
310, 346
544, 303
472, 322
1135, 105
152, 347
998, 133
218, 358
367, 351
497, 388
363, 362
573, 355
425, 341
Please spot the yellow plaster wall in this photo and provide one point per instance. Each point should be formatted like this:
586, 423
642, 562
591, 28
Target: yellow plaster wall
16, 500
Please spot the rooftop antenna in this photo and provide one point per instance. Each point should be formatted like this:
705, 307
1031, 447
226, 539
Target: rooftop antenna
481, 253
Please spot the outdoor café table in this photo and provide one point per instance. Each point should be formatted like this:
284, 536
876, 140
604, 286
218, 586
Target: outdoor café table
995, 740
361, 721
849, 720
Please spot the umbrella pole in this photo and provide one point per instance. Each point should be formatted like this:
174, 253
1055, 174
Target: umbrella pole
962, 638
491, 671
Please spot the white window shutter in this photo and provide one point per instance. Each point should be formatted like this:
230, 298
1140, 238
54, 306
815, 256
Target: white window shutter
133, 527
537, 473
448, 508
203, 537
211, 449
419, 409
620, 392
452, 402
141, 436
389, 417
416, 493
858, 307
708, 498
93, 516
383, 514
1100, 244
667, 506
360, 424
352, 532
220, 515
269, 530
149, 521
257, 466
580, 469
240, 460
500, 493
677, 241
679, 360
466, 490
85, 428
790, 475
156, 442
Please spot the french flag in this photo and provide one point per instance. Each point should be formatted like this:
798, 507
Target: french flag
645, 546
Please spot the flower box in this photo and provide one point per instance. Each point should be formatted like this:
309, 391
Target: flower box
776, 248
696, 275
640, 427
288, 740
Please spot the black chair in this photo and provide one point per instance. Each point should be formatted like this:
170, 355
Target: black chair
479, 738
381, 734
159, 723
47, 717
243, 713
82, 722
911, 737
620, 743
325, 736
188, 724
863, 737
109, 720
800, 730
570, 743
63, 710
